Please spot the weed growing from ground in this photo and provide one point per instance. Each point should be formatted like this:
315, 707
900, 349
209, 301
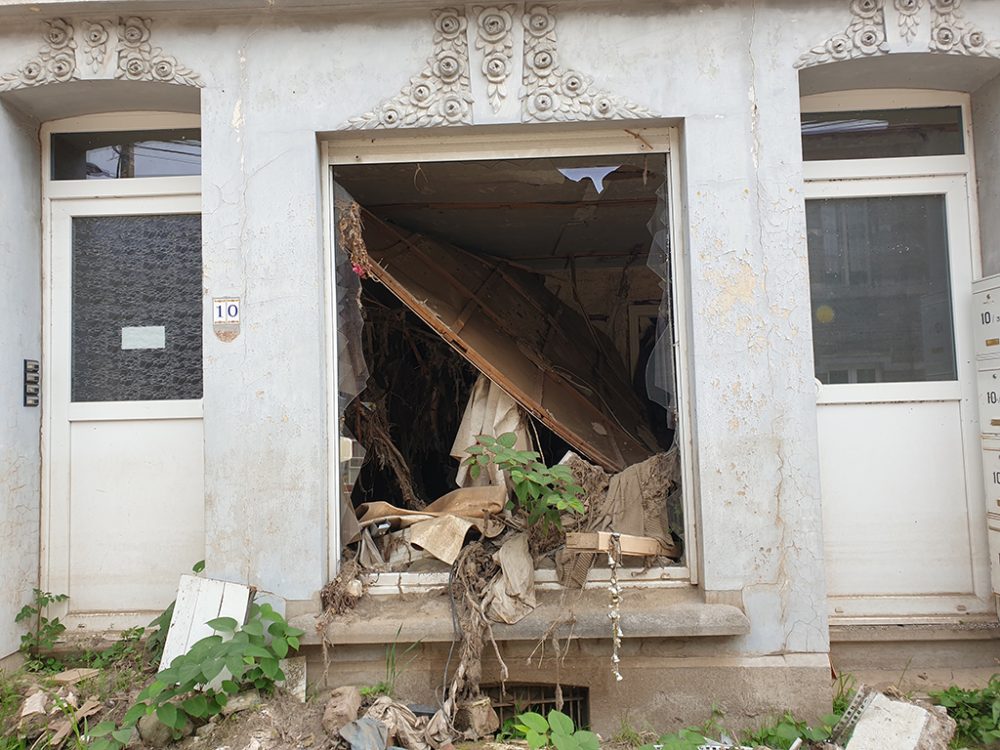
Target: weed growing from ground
43, 632
976, 712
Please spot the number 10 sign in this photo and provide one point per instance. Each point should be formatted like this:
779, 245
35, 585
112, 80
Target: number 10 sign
226, 310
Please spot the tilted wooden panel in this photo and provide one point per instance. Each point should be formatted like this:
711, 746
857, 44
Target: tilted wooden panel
521, 336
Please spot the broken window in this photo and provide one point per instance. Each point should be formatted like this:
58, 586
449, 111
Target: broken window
525, 300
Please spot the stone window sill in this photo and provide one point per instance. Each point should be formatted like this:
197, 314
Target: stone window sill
646, 613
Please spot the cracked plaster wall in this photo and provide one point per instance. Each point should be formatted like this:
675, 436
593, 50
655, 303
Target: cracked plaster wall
724, 70
20, 327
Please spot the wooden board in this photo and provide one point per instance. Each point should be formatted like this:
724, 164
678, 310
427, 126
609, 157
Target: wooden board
198, 601
505, 322
600, 541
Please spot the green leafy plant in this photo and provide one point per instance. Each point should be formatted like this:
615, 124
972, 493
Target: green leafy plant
392, 668
786, 730
685, 739
555, 731
43, 632
976, 712
185, 691
543, 492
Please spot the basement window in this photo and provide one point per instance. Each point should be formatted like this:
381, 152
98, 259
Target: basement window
529, 300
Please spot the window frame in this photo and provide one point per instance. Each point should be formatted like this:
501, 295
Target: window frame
515, 142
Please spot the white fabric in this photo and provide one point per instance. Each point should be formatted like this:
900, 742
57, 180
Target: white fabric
492, 412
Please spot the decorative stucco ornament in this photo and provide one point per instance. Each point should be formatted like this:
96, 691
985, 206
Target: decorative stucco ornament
953, 35
55, 61
495, 37
440, 94
908, 17
864, 37
138, 60
95, 50
552, 93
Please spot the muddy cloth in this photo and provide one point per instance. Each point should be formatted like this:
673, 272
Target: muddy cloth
492, 412
511, 594
405, 728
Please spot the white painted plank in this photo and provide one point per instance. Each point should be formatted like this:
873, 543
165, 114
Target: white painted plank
198, 601
207, 608
180, 623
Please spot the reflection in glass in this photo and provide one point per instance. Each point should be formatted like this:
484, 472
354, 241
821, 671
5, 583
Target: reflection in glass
874, 134
136, 328
881, 296
146, 153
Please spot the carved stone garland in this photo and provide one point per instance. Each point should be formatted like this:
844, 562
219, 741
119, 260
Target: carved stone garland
950, 33
125, 41
440, 94
55, 61
552, 93
953, 35
863, 38
495, 36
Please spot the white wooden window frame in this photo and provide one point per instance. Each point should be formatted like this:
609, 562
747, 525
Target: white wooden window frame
61, 201
522, 142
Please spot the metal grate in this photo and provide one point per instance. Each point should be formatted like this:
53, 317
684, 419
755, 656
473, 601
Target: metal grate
522, 696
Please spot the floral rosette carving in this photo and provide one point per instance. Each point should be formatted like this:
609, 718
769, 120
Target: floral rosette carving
909, 19
139, 60
440, 94
55, 61
552, 93
864, 37
495, 37
952, 34
95, 43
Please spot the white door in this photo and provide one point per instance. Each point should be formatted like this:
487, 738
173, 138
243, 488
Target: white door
904, 522
123, 372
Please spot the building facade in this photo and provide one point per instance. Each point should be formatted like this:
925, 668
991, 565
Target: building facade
828, 184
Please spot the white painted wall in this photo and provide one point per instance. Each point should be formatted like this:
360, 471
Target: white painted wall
20, 327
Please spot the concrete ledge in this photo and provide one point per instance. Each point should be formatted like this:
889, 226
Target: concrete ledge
985, 629
427, 617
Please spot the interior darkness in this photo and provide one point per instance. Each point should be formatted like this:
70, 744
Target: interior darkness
591, 246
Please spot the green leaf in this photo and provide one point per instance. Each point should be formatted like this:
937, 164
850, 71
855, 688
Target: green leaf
123, 735
587, 740
225, 624
188, 673
230, 687
560, 722
564, 741
196, 706
280, 646
535, 740
294, 631
270, 668
211, 669
134, 714
534, 722
198, 567
258, 652
507, 440
154, 688
474, 471
102, 729
293, 642
167, 713
787, 731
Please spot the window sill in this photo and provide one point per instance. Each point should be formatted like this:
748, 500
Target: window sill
646, 613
